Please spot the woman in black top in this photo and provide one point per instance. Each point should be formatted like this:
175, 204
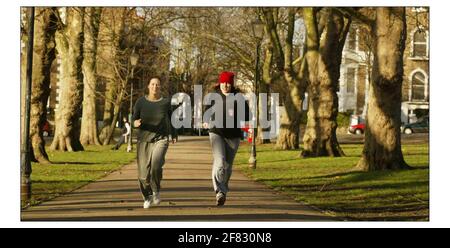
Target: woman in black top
225, 138
152, 115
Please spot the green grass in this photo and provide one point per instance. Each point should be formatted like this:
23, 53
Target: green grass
71, 170
332, 184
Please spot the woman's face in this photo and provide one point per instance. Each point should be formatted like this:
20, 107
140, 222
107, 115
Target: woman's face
225, 87
154, 86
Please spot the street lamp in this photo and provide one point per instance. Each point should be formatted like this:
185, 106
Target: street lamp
134, 57
258, 33
25, 161
179, 75
177, 69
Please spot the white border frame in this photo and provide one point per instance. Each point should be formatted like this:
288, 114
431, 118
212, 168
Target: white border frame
439, 204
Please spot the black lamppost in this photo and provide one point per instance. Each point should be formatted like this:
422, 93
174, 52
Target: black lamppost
134, 57
179, 74
25, 163
258, 33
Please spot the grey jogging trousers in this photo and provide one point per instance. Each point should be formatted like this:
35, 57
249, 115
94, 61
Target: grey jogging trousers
150, 160
224, 151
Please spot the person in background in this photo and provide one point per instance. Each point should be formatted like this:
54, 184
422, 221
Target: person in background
126, 129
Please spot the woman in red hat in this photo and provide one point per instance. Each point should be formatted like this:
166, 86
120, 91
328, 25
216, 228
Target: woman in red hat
225, 138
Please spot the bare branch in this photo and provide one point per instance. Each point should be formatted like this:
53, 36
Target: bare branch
226, 43
268, 16
354, 13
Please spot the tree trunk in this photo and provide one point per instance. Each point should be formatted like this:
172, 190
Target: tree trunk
324, 60
108, 115
69, 43
289, 137
88, 134
292, 81
382, 146
44, 54
111, 31
115, 117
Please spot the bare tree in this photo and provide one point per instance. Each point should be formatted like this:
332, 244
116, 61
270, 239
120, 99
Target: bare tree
111, 33
222, 40
195, 53
122, 31
382, 146
69, 43
212, 40
326, 32
289, 73
89, 134
44, 54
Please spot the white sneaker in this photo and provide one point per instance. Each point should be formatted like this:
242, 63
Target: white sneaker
147, 203
220, 198
156, 198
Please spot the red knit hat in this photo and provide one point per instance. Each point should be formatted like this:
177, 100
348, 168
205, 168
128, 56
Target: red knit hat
226, 77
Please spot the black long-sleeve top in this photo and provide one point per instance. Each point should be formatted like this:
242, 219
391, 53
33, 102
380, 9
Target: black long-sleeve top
155, 119
229, 132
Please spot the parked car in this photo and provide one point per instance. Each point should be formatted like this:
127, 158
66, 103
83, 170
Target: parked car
421, 126
357, 129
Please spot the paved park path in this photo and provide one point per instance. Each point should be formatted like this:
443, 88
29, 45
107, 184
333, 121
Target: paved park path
186, 194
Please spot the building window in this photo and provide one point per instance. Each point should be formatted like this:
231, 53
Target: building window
351, 39
418, 87
351, 73
420, 44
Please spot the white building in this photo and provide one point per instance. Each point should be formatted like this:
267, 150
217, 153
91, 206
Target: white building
354, 78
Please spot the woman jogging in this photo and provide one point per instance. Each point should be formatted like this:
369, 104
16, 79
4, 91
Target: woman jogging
152, 115
225, 139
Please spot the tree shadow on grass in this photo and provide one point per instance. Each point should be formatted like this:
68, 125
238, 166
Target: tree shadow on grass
395, 204
336, 186
363, 175
73, 163
385, 209
393, 218
261, 162
339, 174
370, 176
61, 181
420, 167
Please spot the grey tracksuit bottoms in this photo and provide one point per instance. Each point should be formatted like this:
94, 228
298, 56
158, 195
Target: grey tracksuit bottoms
150, 160
224, 151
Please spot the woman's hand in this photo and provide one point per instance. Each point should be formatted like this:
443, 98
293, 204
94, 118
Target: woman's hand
205, 125
137, 123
